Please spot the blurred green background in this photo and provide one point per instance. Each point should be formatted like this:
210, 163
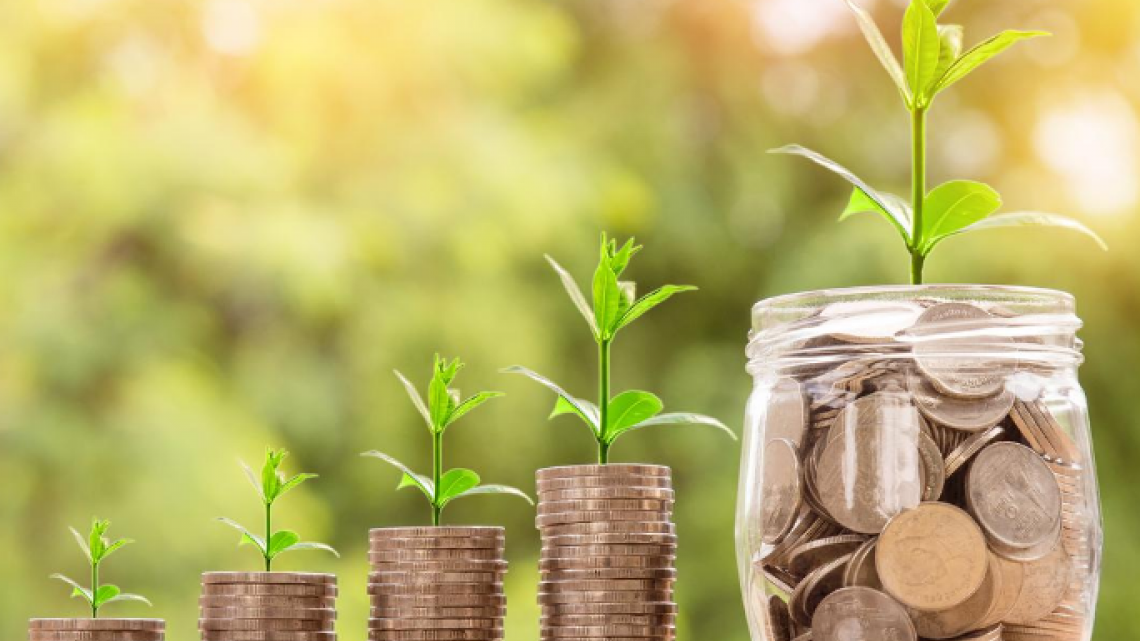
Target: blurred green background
224, 223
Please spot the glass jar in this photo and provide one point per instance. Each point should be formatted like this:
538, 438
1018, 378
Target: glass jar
917, 464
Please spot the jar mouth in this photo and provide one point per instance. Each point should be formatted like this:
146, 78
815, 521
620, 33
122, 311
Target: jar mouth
1026, 324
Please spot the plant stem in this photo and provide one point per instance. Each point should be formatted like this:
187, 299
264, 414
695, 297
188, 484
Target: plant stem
94, 589
918, 192
268, 534
603, 400
436, 473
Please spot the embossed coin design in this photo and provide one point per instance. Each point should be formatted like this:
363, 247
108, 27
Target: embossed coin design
861, 614
1014, 496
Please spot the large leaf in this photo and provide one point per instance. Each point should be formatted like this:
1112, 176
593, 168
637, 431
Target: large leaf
470, 404
920, 49
83, 545
950, 37
129, 597
581, 408
977, 56
607, 298
246, 535
954, 205
455, 482
417, 400
576, 295
76, 589
881, 48
496, 489
592, 417
675, 418
1028, 218
631, 407
105, 593
860, 203
648, 302
898, 217
410, 478
281, 541
293, 482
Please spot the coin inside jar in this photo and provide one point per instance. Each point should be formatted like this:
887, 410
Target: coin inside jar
946, 340
1014, 497
787, 411
781, 492
966, 616
969, 415
861, 613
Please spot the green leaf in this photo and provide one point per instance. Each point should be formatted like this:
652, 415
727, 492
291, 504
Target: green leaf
105, 593
470, 404
584, 410
861, 203
920, 49
495, 489
897, 216
410, 478
246, 535
954, 205
313, 545
77, 590
628, 297
977, 56
252, 476
950, 38
115, 546
440, 401
417, 400
677, 418
621, 257
937, 6
631, 407
881, 48
1023, 219
281, 541
95, 539
592, 415
607, 298
576, 295
83, 545
293, 482
270, 482
455, 482
648, 302
130, 597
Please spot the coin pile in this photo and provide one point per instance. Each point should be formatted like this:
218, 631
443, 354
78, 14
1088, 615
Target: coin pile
96, 630
436, 584
917, 482
268, 606
608, 552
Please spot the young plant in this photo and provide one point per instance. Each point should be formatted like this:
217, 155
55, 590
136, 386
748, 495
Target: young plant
615, 307
97, 548
933, 60
270, 486
443, 408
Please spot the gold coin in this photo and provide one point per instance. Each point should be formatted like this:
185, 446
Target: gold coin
437, 554
933, 467
438, 531
437, 588
434, 624
1008, 590
607, 609
268, 578
268, 613
96, 625
606, 585
932, 557
434, 635
486, 612
262, 635
964, 617
593, 574
95, 635
268, 589
437, 543
860, 613
621, 538
861, 570
602, 482
449, 565
610, 631
607, 527
605, 505
611, 469
413, 578
660, 561
223, 626
607, 494
267, 601
437, 600
636, 596
1043, 586
607, 549
570, 518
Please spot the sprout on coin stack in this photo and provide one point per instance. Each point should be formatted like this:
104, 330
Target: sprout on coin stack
608, 541
97, 547
269, 605
439, 583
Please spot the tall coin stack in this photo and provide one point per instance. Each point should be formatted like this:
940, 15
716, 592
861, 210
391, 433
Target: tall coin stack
268, 606
608, 551
96, 630
436, 584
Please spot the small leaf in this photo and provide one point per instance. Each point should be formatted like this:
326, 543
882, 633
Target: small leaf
270, 483
77, 590
592, 417
576, 295
252, 476
293, 482
977, 56
410, 478
621, 257
246, 535
920, 49
628, 297
631, 407
861, 203
950, 38
313, 545
937, 6
440, 402
105, 593
82, 543
470, 404
496, 489
898, 217
954, 205
581, 408
678, 418
115, 546
417, 400
95, 538
130, 597
648, 302
881, 48
455, 482
607, 298
281, 541
1023, 219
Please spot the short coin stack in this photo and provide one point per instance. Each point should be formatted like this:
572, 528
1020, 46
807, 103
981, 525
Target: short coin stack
268, 606
926, 479
436, 584
608, 552
96, 630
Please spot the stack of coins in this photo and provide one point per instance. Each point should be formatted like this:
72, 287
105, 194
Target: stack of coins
268, 606
436, 584
921, 483
608, 552
96, 630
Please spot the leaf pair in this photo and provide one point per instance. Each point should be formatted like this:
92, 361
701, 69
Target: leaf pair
103, 595
279, 542
615, 302
96, 546
444, 406
453, 484
272, 483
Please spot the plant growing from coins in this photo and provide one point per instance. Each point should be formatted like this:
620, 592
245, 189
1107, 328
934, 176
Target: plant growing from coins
271, 485
443, 408
933, 60
97, 547
615, 307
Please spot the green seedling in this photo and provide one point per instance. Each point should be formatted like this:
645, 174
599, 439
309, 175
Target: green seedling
270, 486
933, 61
615, 307
443, 408
97, 547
